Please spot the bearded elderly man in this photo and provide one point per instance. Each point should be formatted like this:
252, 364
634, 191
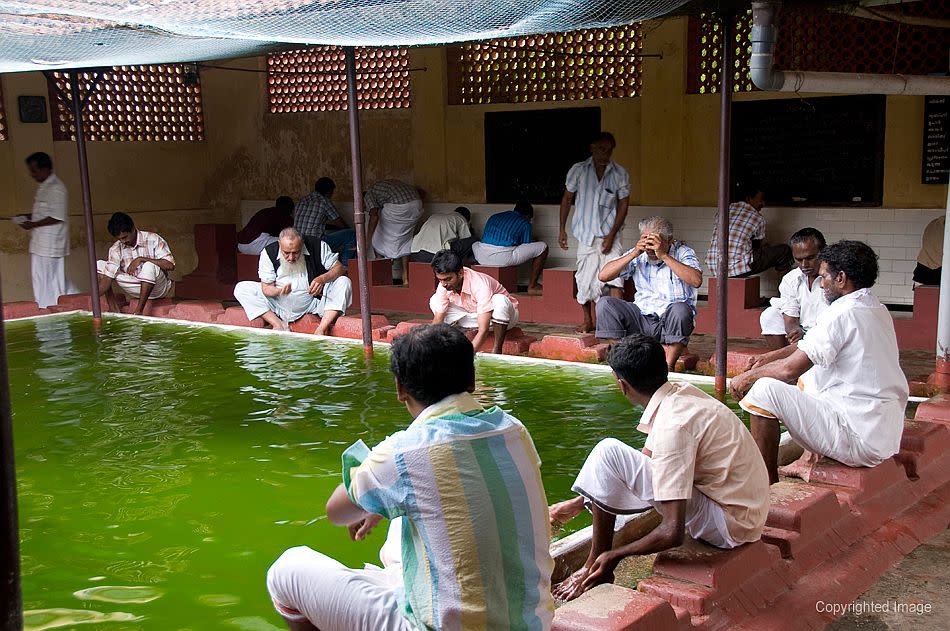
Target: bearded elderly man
299, 275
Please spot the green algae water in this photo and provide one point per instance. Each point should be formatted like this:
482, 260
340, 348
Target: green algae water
162, 468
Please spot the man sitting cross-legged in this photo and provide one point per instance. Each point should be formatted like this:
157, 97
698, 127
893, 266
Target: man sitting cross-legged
138, 262
850, 397
462, 486
471, 300
299, 275
699, 469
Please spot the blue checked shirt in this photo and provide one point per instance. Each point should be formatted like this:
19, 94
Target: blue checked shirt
507, 229
595, 201
657, 286
312, 214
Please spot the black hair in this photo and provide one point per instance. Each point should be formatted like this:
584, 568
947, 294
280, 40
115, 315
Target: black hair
446, 262
120, 222
808, 233
524, 209
432, 362
604, 135
40, 159
639, 360
855, 258
325, 186
465, 212
284, 202
746, 190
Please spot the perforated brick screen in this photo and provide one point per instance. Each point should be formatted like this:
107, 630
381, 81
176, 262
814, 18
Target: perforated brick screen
314, 79
585, 64
132, 103
707, 36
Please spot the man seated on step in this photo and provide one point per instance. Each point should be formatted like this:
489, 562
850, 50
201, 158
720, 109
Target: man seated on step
699, 469
666, 274
139, 263
468, 545
749, 254
800, 298
507, 240
299, 275
840, 391
262, 229
443, 231
471, 300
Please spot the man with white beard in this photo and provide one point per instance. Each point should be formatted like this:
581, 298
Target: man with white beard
299, 275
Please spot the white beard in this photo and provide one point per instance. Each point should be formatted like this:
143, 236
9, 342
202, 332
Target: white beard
288, 268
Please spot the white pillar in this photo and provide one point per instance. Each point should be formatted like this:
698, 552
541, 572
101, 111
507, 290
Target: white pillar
943, 314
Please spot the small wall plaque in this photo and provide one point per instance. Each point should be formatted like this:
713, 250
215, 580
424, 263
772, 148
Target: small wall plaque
32, 109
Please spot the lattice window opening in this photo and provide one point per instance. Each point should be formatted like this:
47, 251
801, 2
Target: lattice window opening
4, 134
132, 104
575, 65
708, 77
314, 79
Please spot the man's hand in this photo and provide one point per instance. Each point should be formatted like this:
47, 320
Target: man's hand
602, 571
571, 587
360, 530
562, 239
283, 290
316, 288
754, 362
795, 335
740, 385
135, 264
607, 244
661, 247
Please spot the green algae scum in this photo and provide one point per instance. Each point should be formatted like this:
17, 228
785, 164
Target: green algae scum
162, 468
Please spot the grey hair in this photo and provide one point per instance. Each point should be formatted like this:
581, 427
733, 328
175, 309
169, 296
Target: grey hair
658, 224
288, 233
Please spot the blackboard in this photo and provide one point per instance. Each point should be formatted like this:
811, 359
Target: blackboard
935, 158
528, 153
824, 151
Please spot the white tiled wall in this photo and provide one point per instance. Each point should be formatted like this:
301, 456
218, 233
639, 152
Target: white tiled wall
894, 234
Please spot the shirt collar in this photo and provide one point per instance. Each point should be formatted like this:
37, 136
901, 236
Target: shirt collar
453, 404
649, 412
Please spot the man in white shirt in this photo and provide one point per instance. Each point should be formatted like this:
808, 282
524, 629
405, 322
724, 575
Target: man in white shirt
49, 231
850, 398
443, 231
800, 298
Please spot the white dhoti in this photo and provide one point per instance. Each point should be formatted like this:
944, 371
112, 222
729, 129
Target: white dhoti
506, 255
619, 479
256, 246
337, 296
590, 260
392, 238
49, 279
812, 421
772, 321
132, 285
503, 312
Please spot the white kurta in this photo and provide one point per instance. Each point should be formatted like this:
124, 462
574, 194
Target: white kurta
49, 245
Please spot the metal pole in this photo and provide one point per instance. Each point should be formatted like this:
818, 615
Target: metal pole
725, 124
359, 217
11, 601
86, 196
942, 376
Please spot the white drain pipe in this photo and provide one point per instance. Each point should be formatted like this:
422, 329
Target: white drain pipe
765, 77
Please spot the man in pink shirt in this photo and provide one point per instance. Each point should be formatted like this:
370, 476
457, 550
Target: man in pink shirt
471, 300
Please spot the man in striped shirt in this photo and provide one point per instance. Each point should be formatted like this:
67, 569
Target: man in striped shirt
748, 252
468, 545
139, 263
599, 189
507, 240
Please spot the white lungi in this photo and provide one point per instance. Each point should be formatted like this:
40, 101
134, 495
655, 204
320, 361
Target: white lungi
506, 255
590, 260
304, 583
337, 296
503, 312
49, 279
619, 479
393, 235
772, 321
812, 422
147, 273
258, 244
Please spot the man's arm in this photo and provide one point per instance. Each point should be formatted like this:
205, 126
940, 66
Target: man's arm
339, 222
613, 269
271, 290
566, 201
793, 328
788, 370
621, 216
45, 221
484, 324
163, 264
317, 284
341, 510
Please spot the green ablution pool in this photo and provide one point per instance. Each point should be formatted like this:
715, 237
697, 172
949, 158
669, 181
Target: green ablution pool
162, 468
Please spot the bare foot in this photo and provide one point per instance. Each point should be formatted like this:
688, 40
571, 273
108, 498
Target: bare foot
801, 468
565, 511
535, 291
571, 587
587, 327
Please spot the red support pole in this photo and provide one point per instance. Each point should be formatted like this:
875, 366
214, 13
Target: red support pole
86, 195
725, 130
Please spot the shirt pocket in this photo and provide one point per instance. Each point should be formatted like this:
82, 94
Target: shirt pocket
607, 198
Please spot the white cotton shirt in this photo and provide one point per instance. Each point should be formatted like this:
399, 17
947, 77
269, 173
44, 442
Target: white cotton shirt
856, 371
299, 300
52, 200
438, 230
798, 300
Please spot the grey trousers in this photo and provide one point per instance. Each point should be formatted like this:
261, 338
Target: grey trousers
618, 318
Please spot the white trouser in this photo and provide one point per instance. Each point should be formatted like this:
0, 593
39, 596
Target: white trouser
257, 245
811, 421
146, 273
337, 296
49, 279
590, 260
506, 255
393, 235
503, 312
619, 479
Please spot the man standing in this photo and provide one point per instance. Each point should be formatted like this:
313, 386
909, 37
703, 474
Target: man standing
49, 231
139, 263
800, 298
394, 209
442, 231
666, 275
471, 300
316, 211
265, 225
599, 189
299, 275
851, 394
468, 544
507, 240
748, 252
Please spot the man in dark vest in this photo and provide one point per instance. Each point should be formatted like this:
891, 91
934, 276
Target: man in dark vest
299, 275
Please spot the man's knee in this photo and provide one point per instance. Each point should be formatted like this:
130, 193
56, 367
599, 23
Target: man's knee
245, 289
607, 306
148, 272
